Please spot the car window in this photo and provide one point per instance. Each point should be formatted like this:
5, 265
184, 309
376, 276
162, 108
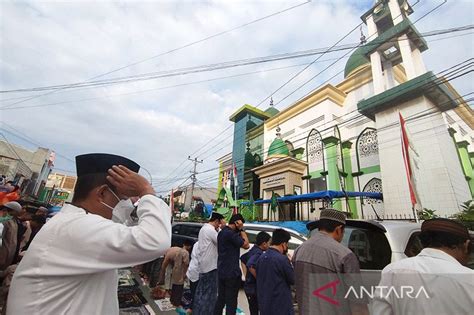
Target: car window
294, 243
195, 231
187, 230
414, 246
371, 247
176, 229
252, 235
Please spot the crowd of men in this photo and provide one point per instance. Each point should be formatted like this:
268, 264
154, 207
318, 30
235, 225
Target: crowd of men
18, 228
70, 265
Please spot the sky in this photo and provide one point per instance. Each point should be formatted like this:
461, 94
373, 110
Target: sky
160, 122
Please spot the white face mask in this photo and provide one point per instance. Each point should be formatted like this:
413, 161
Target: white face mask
122, 210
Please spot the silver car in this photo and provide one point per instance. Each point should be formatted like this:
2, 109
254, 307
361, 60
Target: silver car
379, 243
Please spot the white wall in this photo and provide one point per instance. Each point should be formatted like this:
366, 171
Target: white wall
440, 182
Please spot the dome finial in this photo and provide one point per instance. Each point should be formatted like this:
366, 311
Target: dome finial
271, 101
363, 40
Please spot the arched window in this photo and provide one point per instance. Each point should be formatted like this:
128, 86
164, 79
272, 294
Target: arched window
367, 148
369, 205
315, 151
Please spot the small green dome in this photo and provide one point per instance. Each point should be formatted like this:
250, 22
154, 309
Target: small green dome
356, 60
272, 111
278, 147
249, 159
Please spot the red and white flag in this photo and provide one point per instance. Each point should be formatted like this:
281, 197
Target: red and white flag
410, 159
234, 173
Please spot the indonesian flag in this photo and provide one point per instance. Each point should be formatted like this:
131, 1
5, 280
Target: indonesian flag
234, 173
410, 158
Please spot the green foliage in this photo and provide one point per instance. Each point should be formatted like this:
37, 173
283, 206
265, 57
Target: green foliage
247, 212
427, 214
466, 216
193, 216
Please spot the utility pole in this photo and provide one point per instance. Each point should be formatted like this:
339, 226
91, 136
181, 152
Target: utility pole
193, 183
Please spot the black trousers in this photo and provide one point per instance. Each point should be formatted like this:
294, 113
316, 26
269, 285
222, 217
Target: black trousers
253, 303
176, 294
228, 292
193, 290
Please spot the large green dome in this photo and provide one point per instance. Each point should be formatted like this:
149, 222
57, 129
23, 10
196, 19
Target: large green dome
356, 60
278, 148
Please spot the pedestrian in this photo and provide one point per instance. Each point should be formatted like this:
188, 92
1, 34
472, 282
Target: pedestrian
441, 284
323, 260
229, 242
193, 274
42, 211
275, 276
71, 265
206, 291
12, 235
10, 210
177, 258
250, 260
36, 224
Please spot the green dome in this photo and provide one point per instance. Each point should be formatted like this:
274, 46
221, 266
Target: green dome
249, 159
278, 147
272, 111
356, 60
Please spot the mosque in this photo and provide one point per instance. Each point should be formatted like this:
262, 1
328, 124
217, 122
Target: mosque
390, 127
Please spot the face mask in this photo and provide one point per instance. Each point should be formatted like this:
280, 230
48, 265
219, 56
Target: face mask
5, 218
122, 210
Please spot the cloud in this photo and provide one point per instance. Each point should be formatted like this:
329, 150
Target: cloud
47, 43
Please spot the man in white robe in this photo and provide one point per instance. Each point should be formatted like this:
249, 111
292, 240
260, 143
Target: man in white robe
71, 265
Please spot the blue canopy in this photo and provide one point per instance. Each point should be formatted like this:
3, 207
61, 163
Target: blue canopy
325, 194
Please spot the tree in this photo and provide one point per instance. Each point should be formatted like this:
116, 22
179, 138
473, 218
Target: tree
466, 216
426, 214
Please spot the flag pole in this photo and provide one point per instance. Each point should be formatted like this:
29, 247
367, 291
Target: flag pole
234, 172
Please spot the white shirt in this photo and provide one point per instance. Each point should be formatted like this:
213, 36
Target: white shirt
193, 270
449, 286
70, 266
207, 248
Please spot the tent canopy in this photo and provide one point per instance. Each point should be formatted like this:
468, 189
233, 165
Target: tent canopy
324, 194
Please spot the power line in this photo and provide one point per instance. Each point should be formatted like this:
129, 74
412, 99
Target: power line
175, 49
447, 72
190, 83
439, 81
373, 43
411, 118
31, 140
299, 72
217, 66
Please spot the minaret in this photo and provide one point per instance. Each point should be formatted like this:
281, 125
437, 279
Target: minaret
393, 40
